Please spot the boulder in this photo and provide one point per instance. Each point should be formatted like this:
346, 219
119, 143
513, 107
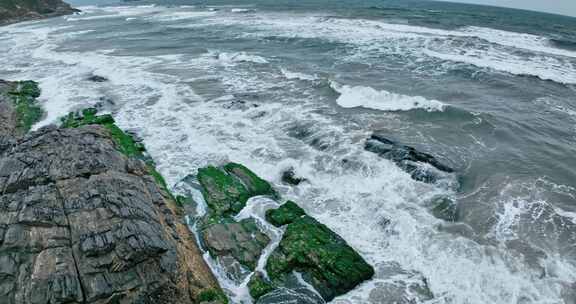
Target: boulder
309, 247
226, 190
242, 240
289, 177
285, 214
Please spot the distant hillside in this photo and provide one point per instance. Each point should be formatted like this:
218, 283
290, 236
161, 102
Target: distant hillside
21, 10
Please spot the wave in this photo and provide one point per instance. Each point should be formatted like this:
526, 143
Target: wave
367, 97
239, 57
502, 51
298, 76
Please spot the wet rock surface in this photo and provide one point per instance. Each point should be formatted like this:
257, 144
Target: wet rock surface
80, 222
420, 165
331, 266
242, 241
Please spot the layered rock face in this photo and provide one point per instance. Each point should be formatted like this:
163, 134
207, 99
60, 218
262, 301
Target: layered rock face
21, 10
81, 222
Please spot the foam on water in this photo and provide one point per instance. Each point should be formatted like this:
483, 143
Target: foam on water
376, 207
296, 75
367, 97
499, 49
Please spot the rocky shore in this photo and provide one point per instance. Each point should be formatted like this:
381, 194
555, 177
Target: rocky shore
86, 218
12, 11
83, 220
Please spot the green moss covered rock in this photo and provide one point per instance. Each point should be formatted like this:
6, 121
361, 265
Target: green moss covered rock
284, 215
253, 183
24, 96
258, 286
227, 190
124, 142
212, 296
311, 248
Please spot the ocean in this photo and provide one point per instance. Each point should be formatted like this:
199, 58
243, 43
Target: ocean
284, 84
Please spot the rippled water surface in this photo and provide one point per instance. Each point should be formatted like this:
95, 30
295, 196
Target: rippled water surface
278, 84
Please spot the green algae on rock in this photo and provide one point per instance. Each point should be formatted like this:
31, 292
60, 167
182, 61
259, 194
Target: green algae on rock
24, 97
311, 248
212, 296
124, 142
253, 183
286, 214
258, 286
227, 190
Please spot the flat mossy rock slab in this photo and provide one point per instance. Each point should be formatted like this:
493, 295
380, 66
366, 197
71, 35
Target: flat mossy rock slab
227, 190
309, 247
241, 240
286, 214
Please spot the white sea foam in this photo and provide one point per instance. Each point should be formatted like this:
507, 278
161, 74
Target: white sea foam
232, 58
296, 75
367, 97
354, 201
242, 10
493, 49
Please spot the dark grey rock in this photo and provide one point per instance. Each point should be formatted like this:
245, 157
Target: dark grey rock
96, 78
82, 223
289, 177
408, 159
241, 241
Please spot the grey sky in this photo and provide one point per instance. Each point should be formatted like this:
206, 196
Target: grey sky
562, 7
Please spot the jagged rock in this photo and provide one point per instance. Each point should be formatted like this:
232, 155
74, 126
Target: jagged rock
82, 222
407, 158
21, 10
289, 177
241, 240
227, 190
311, 248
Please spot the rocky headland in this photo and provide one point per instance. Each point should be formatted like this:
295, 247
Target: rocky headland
12, 11
86, 218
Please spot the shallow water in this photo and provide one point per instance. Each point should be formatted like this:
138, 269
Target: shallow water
272, 85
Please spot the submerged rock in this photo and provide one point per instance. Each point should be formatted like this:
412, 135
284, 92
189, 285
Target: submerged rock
96, 78
311, 248
445, 209
289, 177
407, 158
83, 222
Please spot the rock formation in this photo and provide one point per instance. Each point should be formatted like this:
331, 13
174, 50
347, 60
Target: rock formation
83, 220
12, 11
420, 165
